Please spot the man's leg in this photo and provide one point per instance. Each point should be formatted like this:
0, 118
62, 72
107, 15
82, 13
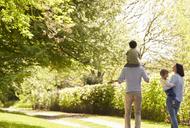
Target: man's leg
128, 108
138, 106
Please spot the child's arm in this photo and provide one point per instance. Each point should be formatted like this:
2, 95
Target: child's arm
168, 84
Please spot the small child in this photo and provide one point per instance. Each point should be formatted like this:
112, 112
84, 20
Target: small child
167, 87
133, 56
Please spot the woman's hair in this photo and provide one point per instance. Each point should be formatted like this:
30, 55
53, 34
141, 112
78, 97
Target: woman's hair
180, 70
163, 72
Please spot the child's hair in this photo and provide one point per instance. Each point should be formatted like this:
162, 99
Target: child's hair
163, 72
133, 44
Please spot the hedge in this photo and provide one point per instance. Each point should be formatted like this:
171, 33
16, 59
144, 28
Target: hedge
89, 99
109, 100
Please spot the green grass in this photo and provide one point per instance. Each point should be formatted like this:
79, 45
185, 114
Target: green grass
8, 120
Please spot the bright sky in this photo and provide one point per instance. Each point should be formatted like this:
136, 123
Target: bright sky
144, 11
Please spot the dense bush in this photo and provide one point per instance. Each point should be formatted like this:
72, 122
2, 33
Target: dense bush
153, 104
118, 100
39, 90
185, 107
108, 99
93, 78
88, 99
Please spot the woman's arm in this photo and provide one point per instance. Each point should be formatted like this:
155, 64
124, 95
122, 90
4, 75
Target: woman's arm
173, 80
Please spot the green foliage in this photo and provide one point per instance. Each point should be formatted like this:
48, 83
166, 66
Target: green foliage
48, 33
9, 84
89, 99
185, 106
118, 100
99, 99
68, 34
154, 106
39, 89
93, 78
55, 33
106, 99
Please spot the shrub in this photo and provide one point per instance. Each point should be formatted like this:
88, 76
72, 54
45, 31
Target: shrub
89, 99
39, 89
118, 100
107, 99
185, 107
93, 78
153, 104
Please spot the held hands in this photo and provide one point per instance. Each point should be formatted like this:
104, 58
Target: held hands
113, 81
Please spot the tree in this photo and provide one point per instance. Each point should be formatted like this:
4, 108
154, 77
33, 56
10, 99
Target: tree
181, 29
52, 33
149, 24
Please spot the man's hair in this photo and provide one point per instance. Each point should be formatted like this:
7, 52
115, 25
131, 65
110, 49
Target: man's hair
163, 72
180, 70
133, 44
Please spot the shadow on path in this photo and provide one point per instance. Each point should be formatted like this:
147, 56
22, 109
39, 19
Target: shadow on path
65, 115
43, 114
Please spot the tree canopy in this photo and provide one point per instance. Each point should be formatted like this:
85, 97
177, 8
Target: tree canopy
70, 34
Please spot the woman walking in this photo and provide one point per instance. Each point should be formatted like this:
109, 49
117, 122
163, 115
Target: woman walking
177, 80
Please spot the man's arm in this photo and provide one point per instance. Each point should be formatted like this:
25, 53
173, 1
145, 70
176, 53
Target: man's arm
122, 76
112, 81
145, 76
120, 79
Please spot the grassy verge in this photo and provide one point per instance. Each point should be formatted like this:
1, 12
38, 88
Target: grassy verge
8, 120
